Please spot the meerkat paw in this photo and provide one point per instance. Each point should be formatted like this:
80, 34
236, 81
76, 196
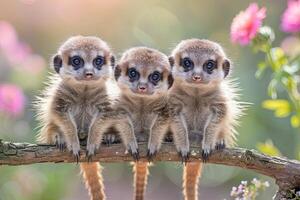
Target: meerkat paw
184, 153
74, 148
60, 142
220, 144
90, 151
133, 150
206, 152
109, 139
152, 150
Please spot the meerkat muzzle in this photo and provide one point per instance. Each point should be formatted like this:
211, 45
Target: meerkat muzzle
197, 78
89, 75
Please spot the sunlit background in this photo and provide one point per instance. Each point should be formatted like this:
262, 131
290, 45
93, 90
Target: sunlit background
32, 30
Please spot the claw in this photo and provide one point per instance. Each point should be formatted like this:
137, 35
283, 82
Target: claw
151, 155
76, 156
220, 145
184, 157
62, 146
135, 155
109, 139
205, 155
90, 158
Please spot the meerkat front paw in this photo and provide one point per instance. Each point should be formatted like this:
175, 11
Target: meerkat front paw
109, 139
75, 149
60, 142
132, 148
184, 154
90, 150
206, 152
220, 144
152, 150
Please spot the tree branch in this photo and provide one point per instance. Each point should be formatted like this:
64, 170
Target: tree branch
286, 172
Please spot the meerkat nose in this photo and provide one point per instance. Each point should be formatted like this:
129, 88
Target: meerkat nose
142, 88
89, 75
196, 78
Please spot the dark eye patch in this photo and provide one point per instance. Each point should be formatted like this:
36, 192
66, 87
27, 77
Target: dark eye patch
76, 61
209, 66
133, 74
98, 62
187, 64
155, 77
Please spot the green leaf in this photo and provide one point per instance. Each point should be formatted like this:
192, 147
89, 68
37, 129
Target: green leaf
268, 148
261, 68
281, 107
295, 121
279, 58
272, 89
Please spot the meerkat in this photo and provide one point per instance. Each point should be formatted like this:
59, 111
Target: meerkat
75, 105
143, 74
201, 102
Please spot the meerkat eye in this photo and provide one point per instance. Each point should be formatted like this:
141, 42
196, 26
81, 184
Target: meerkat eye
133, 74
77, 62
98, 62
187, 64
209, 66
155, 77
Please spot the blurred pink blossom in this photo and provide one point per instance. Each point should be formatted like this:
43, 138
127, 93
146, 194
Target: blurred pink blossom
246, 24
291, 46
34, 64
12, 99
290, 21
8, 35
15, 51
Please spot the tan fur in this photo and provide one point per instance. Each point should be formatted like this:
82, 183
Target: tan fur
191, 175
208, 109
91, 173
141, 172
71, 105
147, 112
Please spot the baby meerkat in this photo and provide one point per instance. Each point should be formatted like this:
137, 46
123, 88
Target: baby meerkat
76, 103
144, 76
201, 102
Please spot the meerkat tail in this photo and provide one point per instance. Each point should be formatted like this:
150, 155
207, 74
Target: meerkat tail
93, 180
140, 179
191, 176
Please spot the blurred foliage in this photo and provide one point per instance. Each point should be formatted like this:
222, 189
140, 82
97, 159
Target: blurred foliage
33, 29
268, 148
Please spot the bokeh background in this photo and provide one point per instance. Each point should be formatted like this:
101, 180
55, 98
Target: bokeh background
32, 30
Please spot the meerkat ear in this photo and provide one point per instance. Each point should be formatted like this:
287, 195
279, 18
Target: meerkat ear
57, 63
170, 80
117, 72
171, 61
226, 67
112, 60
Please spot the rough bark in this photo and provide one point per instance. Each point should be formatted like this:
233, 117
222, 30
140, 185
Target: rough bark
286, 172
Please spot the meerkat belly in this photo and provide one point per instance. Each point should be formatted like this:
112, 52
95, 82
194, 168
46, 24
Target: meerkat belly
83, 116
142, 122
196, 116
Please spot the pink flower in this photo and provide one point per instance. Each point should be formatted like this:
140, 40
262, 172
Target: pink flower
12, 99
246, 24
15, 51
290, 20
8, 35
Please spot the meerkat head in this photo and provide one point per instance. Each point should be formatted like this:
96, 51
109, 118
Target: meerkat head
144, 71
199, 63
83, 58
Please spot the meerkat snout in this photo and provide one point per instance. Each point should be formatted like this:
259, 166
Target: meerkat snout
196, 78
142, 88
89, 75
